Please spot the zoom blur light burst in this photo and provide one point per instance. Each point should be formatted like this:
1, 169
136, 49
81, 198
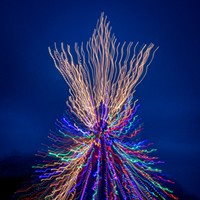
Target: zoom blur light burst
95, 152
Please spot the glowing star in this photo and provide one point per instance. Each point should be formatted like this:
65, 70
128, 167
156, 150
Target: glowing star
95, 154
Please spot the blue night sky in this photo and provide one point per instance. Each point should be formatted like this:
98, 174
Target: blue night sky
33, 93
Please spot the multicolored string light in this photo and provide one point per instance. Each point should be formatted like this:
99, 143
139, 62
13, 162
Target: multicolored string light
95, 152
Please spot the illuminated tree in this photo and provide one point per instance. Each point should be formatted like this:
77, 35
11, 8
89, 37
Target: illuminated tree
95, 153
